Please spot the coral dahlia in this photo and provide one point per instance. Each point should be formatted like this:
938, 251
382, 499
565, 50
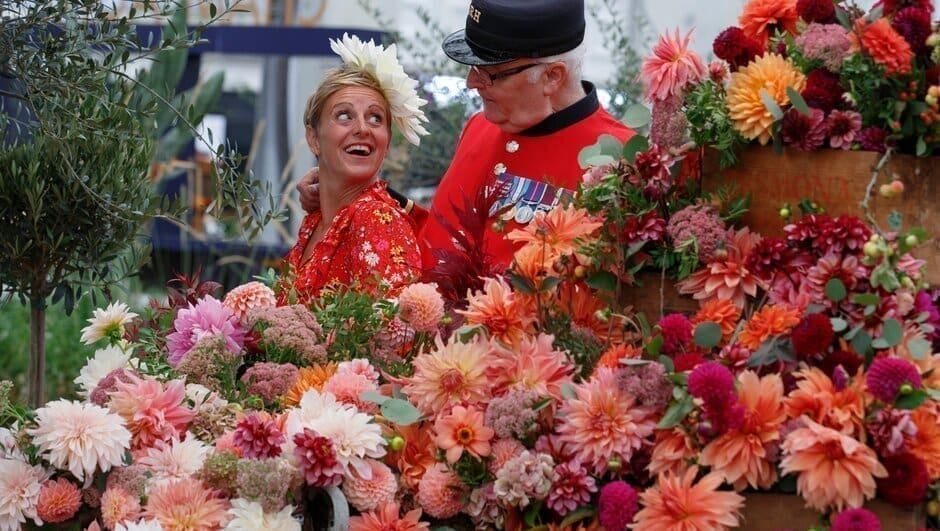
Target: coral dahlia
452, 373
671, 68
367, 494
421, 306
59, 500
440, 492
885, 45
186, 505
679, 503
463, 430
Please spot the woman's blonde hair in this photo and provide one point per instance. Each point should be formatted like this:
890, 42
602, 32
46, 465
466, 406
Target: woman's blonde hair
335, 80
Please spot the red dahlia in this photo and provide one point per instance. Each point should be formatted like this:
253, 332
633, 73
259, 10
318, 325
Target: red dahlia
803, 132
906, 484
913, 23
258, 437
846, 359
735, 47
873, 139
812, 335
677, 333
892, 6
823, 90
769, 256
687, 361
821, 11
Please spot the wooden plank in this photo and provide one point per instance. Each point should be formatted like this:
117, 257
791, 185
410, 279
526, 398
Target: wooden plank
768, 511
837, 180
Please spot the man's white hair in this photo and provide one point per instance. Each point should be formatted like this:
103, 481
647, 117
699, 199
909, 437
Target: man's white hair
573, 58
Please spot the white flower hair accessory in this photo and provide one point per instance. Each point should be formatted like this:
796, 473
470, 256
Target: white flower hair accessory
399, 89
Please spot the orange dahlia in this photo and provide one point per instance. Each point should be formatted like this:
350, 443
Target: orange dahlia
816, 397
741, 456
497, 309
463, 430
451, 374
186, 505
561, 229
722, 312
534, 262
885, 45
770, 74
534, 365
417, 456
673, 452
678, 503
769, 321
834, 471
612, 356
926, 444
760, 18
726, 278
583, 306
313, 377
386, 518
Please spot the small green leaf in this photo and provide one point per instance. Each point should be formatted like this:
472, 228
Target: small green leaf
866, 299
919, 347
835, 290
372, 396
771, 104
798, 102
602, 280
610, 146
838, 324
895, 221
637, 144
400, 412
575, 517
600, 160
911, 400
676, 413
707, 335
665, 361
891, 332
921, 147
588, 153
654, 346
549, 283
862, 343
636, 116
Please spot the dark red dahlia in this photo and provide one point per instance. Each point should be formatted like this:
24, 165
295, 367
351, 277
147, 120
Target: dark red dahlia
653, 172
913, 23
813, 335
843, 232
849, 361
803, 132
735, 47
821, 11
823, 90
873, 139
906, 484
648, 227
677, 333
258, 438
317, 459
769, 256
892, 6
687, 361
805, 231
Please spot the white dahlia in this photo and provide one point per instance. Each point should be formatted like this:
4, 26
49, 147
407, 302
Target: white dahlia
19, 493
175, 460
107, 323
398, 87
355, 438
249, 516
80, 438
104, 361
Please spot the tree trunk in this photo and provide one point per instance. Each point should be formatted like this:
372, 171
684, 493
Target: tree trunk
36, 376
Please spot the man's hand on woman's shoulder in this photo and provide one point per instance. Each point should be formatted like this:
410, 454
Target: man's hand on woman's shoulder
309, 189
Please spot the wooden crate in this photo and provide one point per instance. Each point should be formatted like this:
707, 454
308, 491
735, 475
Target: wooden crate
768, 511
837, 180
646, 298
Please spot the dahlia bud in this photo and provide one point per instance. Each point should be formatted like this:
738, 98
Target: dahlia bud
614, 464
396, 443
785, 213
870, 249
580, 272
906, 389
911, 240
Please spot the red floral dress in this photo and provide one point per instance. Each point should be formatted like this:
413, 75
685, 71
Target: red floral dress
370, 242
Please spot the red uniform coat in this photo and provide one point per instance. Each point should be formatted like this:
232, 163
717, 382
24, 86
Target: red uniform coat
537, 167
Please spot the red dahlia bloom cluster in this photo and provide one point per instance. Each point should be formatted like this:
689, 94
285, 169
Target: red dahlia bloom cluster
823, 90
812, 335
769, 256
735, 47
913, 23
906, 484
821, 11
823, 234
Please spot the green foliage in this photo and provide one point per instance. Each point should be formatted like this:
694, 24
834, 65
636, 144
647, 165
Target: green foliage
584, 349
709, 121
352, 320
621, 45
66, 355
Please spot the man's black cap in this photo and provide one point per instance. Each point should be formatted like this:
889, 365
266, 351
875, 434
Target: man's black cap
498, 31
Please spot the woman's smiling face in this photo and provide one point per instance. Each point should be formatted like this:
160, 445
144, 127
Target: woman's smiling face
352, 135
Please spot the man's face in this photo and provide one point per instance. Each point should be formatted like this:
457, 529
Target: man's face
513, 93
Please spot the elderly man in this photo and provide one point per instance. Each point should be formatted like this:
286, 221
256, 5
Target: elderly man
525, 61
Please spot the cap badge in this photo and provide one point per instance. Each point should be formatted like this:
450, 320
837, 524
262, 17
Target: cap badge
475, 14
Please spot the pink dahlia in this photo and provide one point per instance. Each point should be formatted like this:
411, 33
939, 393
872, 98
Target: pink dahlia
462, 430
803, 132
858, 519
153, 411
118, 506
888, 377
421, 306
348, 387
890, 429
368, 494
59, 500
602, 422
186, 504
440, 492
844, 126
873, 138
533, 365
524, 479
677, 333
503, 451
317, 457
258, 437
571, 488
671, 68
247, 297
617, 505
206, 317
726, 277
387, 518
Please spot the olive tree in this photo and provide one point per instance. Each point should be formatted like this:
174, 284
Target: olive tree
79, 131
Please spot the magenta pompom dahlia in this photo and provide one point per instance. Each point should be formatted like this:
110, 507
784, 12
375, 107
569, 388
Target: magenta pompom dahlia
888, 377
677, 333
617, 505
859, 519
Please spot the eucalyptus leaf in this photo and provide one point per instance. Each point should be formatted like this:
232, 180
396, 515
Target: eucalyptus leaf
707, 335
400, 411
798, 102
771, 104
835, 290
635, 145
374, 397
838, 324
919, 348
911, 400
892, 332
637, 116
676, 413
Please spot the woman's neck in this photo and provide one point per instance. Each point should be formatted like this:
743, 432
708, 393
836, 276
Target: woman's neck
335, 194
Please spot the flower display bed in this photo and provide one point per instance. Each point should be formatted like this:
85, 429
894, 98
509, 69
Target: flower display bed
837, 181
774, 512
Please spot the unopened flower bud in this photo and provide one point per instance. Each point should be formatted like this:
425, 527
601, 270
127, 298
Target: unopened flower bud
911, 240
906, 389
397, 443
614, 464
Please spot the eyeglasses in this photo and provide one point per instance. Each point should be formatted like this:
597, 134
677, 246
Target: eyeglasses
489, 79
